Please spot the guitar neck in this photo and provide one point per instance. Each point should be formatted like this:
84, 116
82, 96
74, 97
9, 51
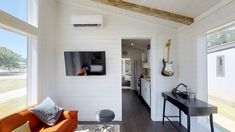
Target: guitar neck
168, 54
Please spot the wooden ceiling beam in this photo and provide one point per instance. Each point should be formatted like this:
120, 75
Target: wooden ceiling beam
148, 11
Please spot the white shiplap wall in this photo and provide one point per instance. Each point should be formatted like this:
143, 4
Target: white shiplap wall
46, 49
90, 94
93, 93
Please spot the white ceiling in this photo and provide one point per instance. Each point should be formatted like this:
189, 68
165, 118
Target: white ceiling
190, 8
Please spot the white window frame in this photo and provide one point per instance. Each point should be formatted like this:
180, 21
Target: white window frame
219, 29
13, 24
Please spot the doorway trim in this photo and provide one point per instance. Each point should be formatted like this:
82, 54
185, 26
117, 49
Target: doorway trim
153, 59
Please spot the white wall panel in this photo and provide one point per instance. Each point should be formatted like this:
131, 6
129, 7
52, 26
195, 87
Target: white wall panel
93, 93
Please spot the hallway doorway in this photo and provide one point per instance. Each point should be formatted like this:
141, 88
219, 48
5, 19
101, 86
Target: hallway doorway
136, 77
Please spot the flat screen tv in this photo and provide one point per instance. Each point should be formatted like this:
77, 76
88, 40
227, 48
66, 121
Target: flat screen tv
85, 63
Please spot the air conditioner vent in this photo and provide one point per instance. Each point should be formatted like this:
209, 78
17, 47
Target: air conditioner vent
87, 25
87, 20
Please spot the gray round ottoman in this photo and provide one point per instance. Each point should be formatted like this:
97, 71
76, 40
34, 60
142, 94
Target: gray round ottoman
105, 116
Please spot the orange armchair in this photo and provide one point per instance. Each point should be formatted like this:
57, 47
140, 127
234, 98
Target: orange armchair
68, 122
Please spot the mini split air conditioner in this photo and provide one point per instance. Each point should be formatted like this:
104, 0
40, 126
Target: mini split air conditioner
87, 20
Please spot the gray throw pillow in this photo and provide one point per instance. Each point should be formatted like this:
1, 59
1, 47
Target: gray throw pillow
47, 112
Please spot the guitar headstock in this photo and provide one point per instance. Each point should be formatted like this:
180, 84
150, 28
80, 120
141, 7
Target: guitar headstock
168, 44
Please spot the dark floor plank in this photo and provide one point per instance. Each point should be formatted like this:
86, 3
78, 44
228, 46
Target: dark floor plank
136, 116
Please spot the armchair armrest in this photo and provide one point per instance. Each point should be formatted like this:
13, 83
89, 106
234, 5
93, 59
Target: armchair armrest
69, 115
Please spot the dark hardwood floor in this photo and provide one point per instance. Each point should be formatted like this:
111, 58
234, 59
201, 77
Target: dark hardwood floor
136, 117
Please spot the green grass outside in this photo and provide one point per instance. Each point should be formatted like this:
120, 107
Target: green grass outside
224, 109
15, 104
12, 106
12, 84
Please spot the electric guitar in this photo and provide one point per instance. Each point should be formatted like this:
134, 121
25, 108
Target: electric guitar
167, 64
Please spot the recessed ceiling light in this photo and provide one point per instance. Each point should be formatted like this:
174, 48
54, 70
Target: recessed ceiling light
132, 44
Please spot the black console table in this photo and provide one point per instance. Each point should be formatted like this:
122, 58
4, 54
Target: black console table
191, 107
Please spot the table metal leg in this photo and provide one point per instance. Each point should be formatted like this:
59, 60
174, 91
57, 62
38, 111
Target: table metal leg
211, 123
188, 123
164, 107
180, 116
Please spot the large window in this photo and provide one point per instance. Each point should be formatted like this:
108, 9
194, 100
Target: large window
221, 76
221, 37
25, 10
13, 72
18, 55
16, 8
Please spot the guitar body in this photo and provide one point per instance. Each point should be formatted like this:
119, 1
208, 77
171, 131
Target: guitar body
167, 68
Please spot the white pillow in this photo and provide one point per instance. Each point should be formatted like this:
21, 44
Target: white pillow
23, 128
